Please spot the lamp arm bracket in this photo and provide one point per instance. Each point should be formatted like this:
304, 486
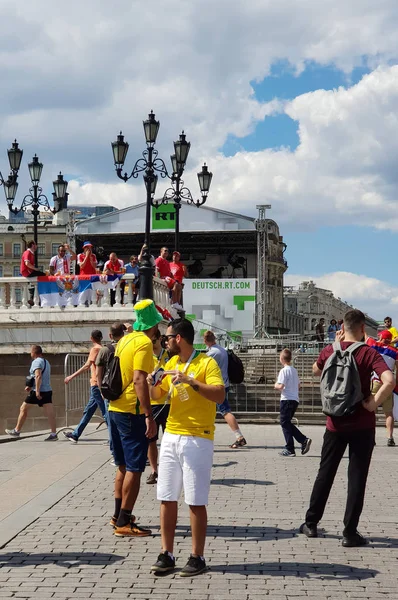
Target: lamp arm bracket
160, 167
185, 193
169, 195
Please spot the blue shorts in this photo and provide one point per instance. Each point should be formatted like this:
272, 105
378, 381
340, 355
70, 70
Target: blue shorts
128, 439
224, 408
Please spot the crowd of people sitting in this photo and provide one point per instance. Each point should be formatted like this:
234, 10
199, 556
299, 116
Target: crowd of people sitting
172, 272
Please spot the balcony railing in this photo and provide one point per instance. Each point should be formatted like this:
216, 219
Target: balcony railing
15, 294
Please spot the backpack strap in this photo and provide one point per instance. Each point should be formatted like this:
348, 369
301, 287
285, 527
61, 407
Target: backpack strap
354, 346
336, 346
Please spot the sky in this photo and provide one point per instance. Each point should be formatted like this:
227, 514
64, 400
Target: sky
293, 104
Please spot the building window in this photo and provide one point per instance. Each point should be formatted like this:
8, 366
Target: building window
1, 250
1, 270
15, 272
54, 249
16, 252
41, 249
18, 295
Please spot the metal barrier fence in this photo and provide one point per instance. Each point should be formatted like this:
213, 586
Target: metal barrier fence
257, 393
77, 391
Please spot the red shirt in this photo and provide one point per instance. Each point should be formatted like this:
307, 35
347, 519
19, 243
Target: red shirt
30, 256
163, 266
88, 268
116, 267
368, 360
178, 271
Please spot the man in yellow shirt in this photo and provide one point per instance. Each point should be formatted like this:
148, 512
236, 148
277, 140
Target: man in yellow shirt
160, 409
392, 330
195, 387
130, 417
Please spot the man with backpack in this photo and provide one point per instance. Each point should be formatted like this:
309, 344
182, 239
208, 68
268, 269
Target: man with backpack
116, 332
220, 355
131, 420
346, 369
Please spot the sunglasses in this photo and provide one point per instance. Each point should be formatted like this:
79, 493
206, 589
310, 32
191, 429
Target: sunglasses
172, 335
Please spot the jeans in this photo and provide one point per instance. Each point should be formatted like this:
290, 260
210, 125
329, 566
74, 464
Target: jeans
95, 401
128, 439
360, 447
290, 431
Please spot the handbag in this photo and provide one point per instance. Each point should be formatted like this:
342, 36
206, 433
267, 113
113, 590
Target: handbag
30, 381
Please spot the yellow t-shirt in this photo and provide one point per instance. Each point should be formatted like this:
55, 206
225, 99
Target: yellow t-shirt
156, 365
393, 332
136, 354
196, 415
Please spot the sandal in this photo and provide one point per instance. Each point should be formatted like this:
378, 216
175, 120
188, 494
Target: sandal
239, 443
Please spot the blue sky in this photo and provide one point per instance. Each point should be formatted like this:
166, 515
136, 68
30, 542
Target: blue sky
284, 84
322, 249
229, 79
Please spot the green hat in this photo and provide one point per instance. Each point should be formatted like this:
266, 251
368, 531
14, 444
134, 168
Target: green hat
146, 315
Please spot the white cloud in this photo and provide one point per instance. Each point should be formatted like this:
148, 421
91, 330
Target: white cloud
74, 75
373, 296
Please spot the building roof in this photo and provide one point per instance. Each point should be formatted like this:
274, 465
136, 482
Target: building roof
192, 219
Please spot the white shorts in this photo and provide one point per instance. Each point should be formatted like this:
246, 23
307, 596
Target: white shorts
185, 460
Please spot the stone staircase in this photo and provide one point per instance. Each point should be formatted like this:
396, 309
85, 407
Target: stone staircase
256, 400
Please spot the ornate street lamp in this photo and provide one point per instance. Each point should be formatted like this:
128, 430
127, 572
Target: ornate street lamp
149, 165
35, 198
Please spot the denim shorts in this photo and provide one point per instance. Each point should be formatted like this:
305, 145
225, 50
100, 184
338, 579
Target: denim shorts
224, 408
128, 439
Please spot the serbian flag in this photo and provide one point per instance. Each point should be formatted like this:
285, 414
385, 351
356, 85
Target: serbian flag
60, 290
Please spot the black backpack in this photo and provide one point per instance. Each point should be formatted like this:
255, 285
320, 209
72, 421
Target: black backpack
112, 382
236, 370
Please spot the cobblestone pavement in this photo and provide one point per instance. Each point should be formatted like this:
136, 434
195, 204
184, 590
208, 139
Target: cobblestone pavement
253, 549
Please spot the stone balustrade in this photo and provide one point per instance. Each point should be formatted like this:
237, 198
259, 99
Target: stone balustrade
15, 294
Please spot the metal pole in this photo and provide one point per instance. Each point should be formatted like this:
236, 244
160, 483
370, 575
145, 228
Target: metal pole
35, 224
177, 232
177, 205
146, 269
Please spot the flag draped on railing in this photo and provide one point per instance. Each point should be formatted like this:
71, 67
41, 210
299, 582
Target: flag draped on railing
59, 290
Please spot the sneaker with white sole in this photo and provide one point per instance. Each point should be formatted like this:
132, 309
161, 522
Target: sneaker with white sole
13, 433
51, 438
195, 566
285, 452
69, 436
164, 563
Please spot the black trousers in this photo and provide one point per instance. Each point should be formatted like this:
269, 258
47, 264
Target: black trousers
360, 447
290, 431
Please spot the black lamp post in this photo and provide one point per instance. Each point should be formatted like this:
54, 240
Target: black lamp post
150, 164
35, 198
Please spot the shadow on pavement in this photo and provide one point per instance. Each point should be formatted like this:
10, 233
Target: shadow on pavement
62, 559
301, 570
227, 464
237, 532
235, 482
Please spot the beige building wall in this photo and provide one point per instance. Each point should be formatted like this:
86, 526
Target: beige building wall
13, 242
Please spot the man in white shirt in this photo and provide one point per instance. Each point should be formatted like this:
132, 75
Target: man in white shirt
61, 262
288, 384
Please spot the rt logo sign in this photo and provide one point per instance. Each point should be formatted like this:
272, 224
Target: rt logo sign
164, 216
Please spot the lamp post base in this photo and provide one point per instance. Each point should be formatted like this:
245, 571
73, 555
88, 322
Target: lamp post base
146, 279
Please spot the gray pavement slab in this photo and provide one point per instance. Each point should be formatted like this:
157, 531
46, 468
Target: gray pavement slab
56, 500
